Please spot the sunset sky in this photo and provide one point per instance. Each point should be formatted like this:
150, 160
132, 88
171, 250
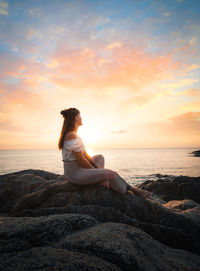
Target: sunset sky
132, 68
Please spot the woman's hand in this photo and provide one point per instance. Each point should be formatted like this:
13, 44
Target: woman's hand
86, 155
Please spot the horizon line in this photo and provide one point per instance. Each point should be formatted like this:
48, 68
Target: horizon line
106, 148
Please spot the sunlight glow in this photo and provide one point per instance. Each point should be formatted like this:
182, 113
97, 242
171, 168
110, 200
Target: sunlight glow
88, 134
90, 152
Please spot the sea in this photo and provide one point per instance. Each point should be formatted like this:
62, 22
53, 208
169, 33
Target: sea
135, 165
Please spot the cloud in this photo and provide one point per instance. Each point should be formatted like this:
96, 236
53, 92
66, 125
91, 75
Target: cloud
8, 125
185, 123
11, 65
3, 8
192, 67
189, 92
191, 106
36, 11
167, 14
17, 101
181, 125
193, 41
178, 84
118, 131
96, 19
33, 34
19, 71
119, 66
114, 45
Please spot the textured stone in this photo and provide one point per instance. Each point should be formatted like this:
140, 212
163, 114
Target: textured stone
175, 188
63, 226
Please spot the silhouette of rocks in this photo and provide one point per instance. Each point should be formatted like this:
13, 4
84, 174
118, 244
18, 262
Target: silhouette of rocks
196, 153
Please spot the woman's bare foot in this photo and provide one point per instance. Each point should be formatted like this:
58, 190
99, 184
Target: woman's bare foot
146, 194
131, 193
140, 192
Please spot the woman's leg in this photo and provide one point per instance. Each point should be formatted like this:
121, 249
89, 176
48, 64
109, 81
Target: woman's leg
106, 177
100, 161
139, 192
83, 176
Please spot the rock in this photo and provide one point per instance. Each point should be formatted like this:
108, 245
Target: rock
58, 223
176, 188
162, 175
159, 221
181, 204
58, 241
37, 172
14, 186
196, 153
46, 259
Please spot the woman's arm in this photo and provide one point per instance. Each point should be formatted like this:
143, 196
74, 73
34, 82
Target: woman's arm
82, 160
85, 163
86, 155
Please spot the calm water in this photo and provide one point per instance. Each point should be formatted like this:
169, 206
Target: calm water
134, 165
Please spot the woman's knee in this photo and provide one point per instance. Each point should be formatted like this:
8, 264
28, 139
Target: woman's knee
110, 174
100, 160
100, 157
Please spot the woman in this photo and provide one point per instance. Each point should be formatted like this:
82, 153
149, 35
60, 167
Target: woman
79, 167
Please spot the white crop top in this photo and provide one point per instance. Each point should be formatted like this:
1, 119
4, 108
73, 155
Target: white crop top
69, 146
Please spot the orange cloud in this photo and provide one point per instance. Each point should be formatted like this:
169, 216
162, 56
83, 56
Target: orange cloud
181, 125
192, 92
24, 98
120, 66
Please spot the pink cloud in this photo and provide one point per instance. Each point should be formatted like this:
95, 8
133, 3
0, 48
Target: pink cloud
120, 66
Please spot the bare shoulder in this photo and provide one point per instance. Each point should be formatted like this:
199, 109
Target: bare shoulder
70, 135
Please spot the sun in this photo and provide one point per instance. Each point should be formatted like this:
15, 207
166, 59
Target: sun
90, 152
88, 135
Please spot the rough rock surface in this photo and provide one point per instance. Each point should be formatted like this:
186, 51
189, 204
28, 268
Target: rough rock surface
175, 188
47, 223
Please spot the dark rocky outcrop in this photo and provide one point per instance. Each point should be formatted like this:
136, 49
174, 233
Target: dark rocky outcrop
196, 153
174, 188
51, 224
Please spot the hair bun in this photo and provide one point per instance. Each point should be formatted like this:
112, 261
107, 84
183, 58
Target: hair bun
63, 113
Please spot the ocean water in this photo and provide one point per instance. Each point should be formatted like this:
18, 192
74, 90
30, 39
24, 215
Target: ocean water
134, 165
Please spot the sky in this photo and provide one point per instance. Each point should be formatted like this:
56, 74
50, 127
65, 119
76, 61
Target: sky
131, 67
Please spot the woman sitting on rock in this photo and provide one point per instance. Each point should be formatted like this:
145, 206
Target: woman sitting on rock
80, 168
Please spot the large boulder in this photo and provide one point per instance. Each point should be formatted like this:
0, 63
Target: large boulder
14, 186
97, 227
37, 172
80, 242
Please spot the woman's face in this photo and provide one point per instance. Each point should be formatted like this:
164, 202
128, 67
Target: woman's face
79, 119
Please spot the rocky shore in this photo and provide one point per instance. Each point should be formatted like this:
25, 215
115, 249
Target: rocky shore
46, 223
196, 153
